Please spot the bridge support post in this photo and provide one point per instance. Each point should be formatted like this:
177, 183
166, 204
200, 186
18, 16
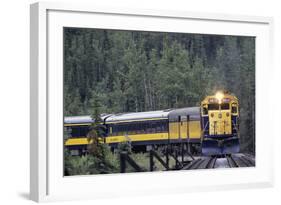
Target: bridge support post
167, 155
123, 162
182, 152
151, 162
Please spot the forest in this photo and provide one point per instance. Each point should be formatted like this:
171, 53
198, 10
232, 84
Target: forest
135, 71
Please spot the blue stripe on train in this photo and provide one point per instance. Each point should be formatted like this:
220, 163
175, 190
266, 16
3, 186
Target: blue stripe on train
234, 122
205, 124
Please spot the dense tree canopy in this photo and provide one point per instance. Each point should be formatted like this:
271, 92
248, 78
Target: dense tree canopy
133, 71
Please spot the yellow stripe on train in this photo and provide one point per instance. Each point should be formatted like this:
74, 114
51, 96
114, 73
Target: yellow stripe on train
117, 139
76, 141
137, 137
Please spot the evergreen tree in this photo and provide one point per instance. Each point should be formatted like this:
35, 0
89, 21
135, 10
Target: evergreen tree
97, 146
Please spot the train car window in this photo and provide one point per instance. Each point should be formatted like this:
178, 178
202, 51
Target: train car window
152, 127
213, 107
165, 126
124, 129
139, 127
158, 127
79, 131
135, 128
116, 130
145, 127
149, 127
225, 106
130, 129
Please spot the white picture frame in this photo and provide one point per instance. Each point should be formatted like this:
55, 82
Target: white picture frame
47, 182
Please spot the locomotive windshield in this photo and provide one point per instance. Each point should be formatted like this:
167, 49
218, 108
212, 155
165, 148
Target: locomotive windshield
216, 106
213, 106
225, 106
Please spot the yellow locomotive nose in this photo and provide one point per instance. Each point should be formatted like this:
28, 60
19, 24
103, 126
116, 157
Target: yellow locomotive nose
220, 122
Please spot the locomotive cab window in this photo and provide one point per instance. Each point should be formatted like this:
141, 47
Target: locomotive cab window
205, 110
225, 106
213, 107
234, 108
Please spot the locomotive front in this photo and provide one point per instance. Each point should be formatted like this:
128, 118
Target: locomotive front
219, 116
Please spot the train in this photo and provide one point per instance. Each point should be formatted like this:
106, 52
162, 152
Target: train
220, 124
210, 129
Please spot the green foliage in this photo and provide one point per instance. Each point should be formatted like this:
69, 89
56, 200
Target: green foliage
95, 107
132, 71
106, 162
78, 165
103, 160
90, 164
124, 147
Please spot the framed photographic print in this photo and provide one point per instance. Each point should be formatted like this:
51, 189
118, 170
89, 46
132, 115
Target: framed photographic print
128, 101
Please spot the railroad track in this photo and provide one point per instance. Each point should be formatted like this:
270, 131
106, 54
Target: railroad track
231, 162
227, 161
202, 163
247, 161
211, 163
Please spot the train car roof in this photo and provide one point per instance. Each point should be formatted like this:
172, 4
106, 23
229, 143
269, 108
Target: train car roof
137, 116
192, 112
80, 119
171, 114
134, 116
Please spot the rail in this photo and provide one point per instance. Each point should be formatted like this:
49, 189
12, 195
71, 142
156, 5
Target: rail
231, 161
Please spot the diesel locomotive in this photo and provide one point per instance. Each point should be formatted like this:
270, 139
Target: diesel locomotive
220, 127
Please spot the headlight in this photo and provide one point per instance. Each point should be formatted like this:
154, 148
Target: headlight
219, 96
